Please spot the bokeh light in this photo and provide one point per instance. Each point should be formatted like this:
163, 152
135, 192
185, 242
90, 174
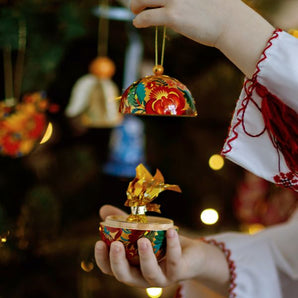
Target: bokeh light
87, 266
216, 162
209, 216
154, 292
255, 228
47, 134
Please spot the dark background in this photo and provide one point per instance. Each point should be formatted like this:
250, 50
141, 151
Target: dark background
49, 199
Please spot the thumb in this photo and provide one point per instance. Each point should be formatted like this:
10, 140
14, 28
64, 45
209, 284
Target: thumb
110, 210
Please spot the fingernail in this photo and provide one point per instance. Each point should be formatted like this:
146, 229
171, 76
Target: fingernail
115, 246
98, 246
143, 245
171, 233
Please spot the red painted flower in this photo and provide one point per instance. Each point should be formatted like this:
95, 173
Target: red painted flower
135, 235
165, 101
36, 126
151, 84
11, 144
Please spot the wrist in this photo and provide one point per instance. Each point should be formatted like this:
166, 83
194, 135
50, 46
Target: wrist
244, 36
215, 271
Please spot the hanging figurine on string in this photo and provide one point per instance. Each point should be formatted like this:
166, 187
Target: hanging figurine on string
93, 97
22, 122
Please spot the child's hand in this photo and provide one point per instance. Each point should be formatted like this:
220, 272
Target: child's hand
200, 20
185, 259
229, 25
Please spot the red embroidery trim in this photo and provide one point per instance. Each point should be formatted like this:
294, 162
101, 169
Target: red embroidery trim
231, 264
287, 180
249, 86
178, 293
232, 268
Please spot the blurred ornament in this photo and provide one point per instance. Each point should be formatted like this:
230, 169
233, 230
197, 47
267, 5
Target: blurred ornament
127, 141
22, 126
22, 122
126, 148
102, 67
93, 102
158, 94
259, 202
94, 96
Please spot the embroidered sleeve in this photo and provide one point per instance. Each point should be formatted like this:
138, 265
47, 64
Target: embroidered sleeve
231, 264
263, 136
252, 266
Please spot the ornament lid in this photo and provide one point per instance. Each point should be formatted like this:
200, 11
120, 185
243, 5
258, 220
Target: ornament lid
158, 95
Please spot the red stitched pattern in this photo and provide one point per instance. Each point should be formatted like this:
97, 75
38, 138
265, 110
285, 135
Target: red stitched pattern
232, 268
287, 180
231, 264
178, 293
249, 86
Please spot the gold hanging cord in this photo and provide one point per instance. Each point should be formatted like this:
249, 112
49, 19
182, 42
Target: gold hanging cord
13, 82
162, 46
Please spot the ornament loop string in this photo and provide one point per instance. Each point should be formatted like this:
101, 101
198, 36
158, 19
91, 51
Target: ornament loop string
103, 29
8, 79
20, 59
162, 46
13, 83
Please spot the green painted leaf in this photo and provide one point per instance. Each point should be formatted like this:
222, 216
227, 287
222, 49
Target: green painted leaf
141, 93
189, 98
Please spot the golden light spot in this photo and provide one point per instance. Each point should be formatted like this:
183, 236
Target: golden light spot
154, 292
209, 216
47, 134
216, 162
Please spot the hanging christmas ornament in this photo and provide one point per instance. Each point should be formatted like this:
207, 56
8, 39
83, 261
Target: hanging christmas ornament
158, 94
127, 141
141, 191
126, 148
22, 123
93, 97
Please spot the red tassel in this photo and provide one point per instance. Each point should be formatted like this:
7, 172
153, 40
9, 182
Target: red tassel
282, 125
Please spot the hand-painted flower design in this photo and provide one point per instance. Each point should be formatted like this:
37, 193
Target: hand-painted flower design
158, 95
22, 125
165, 101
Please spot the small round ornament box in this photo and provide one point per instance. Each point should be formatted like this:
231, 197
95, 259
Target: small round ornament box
129, 228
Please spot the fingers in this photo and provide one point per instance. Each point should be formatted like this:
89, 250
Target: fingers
174, 254
150, 268
121, 268
137, 6
102, 257
151, 17
109, 210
